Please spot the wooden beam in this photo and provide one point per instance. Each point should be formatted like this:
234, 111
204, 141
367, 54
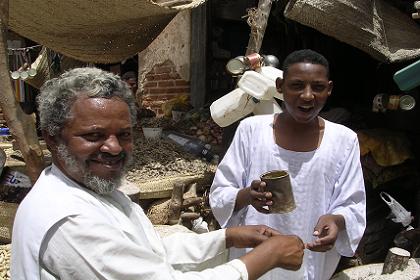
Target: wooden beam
198, 55
21, 125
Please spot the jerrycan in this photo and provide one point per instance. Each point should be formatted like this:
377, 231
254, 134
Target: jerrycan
256, 85
265, 107
232, 107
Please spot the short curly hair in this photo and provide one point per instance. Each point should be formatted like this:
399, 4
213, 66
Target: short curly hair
58, 95
305, 55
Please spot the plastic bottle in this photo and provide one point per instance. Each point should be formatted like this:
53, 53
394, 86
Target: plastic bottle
232, 107
192, 145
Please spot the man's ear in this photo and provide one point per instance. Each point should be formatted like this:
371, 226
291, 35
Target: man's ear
330, 87
51, 141
279, 83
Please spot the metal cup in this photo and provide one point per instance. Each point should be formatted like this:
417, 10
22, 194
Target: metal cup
278, 183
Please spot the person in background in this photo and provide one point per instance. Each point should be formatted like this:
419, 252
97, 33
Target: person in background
323, 162
75, 223
130, 78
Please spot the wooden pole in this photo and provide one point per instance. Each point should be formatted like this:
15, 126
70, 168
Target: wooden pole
257, 19
21, 125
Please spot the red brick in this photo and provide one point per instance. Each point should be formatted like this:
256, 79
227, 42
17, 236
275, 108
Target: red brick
163, 69
179, 90
174, 75
150, 84
162, 77
157, 91
182, 83
168, 83
149, 77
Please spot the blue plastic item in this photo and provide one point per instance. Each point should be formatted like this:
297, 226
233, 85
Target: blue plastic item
408, 77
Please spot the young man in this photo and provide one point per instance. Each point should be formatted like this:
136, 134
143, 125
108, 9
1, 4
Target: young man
75, 224
322, 159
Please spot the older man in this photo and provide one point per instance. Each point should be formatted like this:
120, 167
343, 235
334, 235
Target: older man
75, 224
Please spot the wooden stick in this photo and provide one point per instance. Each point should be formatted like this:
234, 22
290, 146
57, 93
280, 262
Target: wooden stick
258, 27
396, 259
176, 204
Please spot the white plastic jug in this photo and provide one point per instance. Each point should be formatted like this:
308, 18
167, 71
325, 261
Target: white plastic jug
272, 74
265, 107
257, 85
231, 107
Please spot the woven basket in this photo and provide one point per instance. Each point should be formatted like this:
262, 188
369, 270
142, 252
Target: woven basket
7, 216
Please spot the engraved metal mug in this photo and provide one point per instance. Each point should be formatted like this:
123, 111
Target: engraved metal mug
278, 183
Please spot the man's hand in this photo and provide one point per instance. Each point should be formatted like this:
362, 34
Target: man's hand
258, 197
285, 251
326, 232
254, 195
248, 236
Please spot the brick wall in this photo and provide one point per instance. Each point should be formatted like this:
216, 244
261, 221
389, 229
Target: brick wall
161, 84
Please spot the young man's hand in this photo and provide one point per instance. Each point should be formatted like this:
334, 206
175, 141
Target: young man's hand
248, 236
326, 232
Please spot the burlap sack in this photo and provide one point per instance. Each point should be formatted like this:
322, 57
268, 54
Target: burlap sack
7, 216
373, 26
94, 31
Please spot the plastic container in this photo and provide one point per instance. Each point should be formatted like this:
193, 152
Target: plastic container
258, 86
265, 107
231, 107
4, 134
152, 132
408, 77
191, 145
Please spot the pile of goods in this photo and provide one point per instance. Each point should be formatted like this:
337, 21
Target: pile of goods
160, 159
5, 262
196, 122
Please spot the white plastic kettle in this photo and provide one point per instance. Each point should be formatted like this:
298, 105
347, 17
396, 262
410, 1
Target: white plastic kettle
231, 107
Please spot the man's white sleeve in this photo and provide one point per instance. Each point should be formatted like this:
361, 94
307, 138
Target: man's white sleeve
349, 200
230, 177
78, 248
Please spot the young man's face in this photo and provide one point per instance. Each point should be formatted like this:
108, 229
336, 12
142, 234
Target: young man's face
306, 89
96, 143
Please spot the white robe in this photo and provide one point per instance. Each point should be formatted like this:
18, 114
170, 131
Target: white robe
328, 180
110, 238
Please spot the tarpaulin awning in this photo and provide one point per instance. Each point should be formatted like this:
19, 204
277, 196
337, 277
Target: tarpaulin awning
100, 31
373, 26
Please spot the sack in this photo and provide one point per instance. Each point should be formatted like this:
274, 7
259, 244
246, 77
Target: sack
7, 216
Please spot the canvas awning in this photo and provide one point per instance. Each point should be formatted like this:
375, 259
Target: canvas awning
103, 31
373, 26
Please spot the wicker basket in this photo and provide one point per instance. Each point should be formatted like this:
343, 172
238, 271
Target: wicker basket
7, 216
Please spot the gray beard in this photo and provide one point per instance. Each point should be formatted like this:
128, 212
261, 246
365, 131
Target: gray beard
94, 183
